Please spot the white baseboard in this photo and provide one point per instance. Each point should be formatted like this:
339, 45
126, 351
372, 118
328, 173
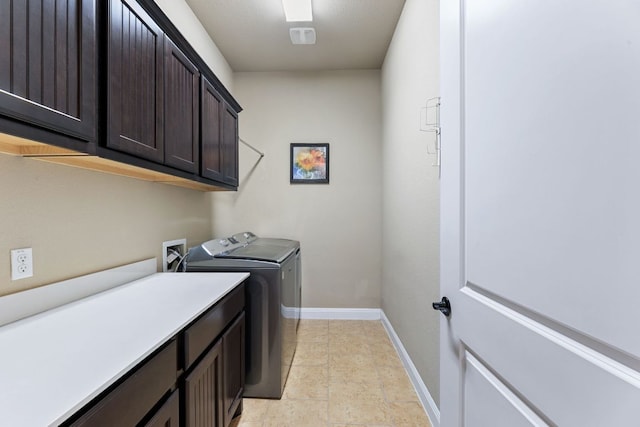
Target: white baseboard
340, 313
425, 397
421, 389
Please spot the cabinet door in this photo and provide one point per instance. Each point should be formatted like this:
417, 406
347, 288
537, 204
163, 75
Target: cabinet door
212, 106
233, 349
229, 146
181, 110
47, 64
135, 81
203, 391
129, 402
168, 415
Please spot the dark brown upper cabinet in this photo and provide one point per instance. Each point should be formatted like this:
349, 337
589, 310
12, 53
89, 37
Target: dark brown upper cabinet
212, 106
219, 127
48, 65
136, 76
229, 146
116, 80
181, 108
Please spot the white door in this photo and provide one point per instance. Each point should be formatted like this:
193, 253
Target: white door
540, 212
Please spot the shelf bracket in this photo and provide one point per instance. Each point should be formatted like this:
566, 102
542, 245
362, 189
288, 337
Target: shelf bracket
252, 147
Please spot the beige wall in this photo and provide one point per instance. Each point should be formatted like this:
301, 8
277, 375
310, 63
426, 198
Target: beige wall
338, 224
79, 221
411, 189
188, 24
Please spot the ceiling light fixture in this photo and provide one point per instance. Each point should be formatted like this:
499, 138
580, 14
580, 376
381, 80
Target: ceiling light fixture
297, 10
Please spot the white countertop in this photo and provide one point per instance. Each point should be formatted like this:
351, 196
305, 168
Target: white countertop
53, 363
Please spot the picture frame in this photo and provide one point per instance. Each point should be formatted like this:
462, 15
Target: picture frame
309, 163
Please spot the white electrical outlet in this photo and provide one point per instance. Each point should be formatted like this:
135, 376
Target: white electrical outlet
21, 263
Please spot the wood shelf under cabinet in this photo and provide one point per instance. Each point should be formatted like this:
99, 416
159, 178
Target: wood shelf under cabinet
16, 146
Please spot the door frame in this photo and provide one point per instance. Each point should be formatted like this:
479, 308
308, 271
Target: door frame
451, 205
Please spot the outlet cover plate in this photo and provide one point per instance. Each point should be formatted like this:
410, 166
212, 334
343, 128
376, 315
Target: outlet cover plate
21, 263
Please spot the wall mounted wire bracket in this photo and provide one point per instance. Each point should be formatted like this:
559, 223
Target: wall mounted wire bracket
430, 122
252, 147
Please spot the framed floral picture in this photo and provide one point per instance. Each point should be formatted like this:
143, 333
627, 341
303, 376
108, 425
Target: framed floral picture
309, 163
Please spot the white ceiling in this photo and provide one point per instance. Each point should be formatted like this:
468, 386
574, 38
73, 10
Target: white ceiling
254, 36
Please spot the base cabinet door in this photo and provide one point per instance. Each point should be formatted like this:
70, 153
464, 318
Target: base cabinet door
169, 413
48, 64
130, 402
203, 391
233, 349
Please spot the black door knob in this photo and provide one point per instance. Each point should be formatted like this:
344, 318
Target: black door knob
444, 306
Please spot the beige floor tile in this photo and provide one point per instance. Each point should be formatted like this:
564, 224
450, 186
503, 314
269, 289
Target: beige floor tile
396, 384
348, 327
344, 339
346, 391
310, 373
360, 425
237, 422
378, 338
313, 331
409, 414
373, 325
347, 347
344, 374
307, 382
386, 357
360, 411
362, 360
311, 354
389, 374
353, 374
296, 413
314, 323
253, 410
382, 347
399, 392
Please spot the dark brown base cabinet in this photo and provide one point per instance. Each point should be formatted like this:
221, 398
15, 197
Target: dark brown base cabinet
234, 370
203, 391
169, 413
213, 390
129, 402
196, 380
71, 67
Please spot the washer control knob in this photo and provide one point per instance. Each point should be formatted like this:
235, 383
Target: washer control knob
224, 242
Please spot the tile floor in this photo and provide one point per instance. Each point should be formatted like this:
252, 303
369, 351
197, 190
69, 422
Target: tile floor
344, 373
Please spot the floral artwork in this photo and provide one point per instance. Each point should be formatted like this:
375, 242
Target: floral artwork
309, 163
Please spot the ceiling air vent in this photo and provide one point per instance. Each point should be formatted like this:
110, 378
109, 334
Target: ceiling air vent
302, 35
